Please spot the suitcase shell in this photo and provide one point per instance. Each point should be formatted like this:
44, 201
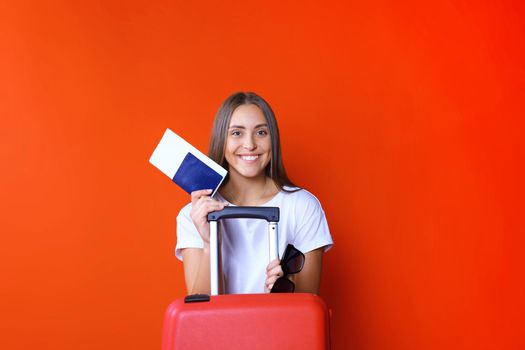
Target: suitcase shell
248, 321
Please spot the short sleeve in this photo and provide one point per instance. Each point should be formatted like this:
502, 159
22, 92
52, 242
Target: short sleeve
187, 234
312, 228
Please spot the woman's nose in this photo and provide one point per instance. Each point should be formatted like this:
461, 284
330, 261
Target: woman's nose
249, 143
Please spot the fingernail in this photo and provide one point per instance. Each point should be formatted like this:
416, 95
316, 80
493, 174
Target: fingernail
208, 190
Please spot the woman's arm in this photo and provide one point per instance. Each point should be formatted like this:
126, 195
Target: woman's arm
197, 270
309, 279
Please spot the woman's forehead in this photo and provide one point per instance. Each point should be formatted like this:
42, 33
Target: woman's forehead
247, 116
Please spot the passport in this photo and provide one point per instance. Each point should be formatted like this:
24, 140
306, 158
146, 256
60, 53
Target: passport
185, 165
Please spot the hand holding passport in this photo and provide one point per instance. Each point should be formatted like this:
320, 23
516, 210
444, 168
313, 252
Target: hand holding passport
189, 168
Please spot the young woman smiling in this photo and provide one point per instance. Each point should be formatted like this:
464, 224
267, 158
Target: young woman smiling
245, 141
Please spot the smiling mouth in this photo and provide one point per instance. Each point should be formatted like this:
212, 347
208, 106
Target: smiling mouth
252, 157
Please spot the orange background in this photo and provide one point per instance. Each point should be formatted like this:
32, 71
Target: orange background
405, 120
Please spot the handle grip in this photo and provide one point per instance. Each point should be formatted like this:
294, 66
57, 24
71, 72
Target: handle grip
270, 214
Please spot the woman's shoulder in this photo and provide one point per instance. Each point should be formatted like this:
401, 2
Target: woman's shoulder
301, 196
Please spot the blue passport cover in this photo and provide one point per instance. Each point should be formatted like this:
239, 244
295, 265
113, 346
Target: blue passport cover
194, 175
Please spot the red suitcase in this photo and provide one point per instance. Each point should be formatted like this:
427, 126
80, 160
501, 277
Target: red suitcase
246, 321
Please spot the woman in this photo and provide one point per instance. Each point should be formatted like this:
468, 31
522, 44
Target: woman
245, 141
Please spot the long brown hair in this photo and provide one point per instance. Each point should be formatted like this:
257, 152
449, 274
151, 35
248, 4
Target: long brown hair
275, 169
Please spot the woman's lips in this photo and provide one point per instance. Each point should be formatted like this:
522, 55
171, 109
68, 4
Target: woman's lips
249, 157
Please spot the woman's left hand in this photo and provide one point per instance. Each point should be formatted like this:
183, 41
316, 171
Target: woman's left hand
273, 272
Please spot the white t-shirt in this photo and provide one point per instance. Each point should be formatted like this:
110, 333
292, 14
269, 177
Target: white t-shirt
245, 250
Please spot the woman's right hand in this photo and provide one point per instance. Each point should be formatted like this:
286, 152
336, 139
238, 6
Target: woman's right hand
201, 205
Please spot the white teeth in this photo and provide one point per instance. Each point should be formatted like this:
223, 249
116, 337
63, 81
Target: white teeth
249, 157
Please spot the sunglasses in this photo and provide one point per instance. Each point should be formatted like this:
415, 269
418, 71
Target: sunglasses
292, 262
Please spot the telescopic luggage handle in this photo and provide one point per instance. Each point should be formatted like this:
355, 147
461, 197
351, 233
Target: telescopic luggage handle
270, 214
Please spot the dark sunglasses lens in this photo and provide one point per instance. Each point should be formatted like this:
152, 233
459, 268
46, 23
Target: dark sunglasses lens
294, 263
283, 285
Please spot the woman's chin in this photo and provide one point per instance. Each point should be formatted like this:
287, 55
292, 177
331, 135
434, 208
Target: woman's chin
250, 174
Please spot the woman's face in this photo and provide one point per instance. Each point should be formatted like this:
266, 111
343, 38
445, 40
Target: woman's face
248, 145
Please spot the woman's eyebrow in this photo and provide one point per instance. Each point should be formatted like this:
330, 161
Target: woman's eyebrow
243, 127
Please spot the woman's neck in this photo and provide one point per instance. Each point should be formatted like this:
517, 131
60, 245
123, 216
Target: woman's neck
249, 191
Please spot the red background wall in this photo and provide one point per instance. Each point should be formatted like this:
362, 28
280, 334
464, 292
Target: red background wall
405, 120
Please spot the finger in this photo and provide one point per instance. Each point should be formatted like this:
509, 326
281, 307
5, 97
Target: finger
269, 284
207, 199
204, 207
273, 264
195, 195
276, 271
213, 206
206, 204
271, 280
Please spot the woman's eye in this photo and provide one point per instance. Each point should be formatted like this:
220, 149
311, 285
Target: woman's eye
236, 133
262, 132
